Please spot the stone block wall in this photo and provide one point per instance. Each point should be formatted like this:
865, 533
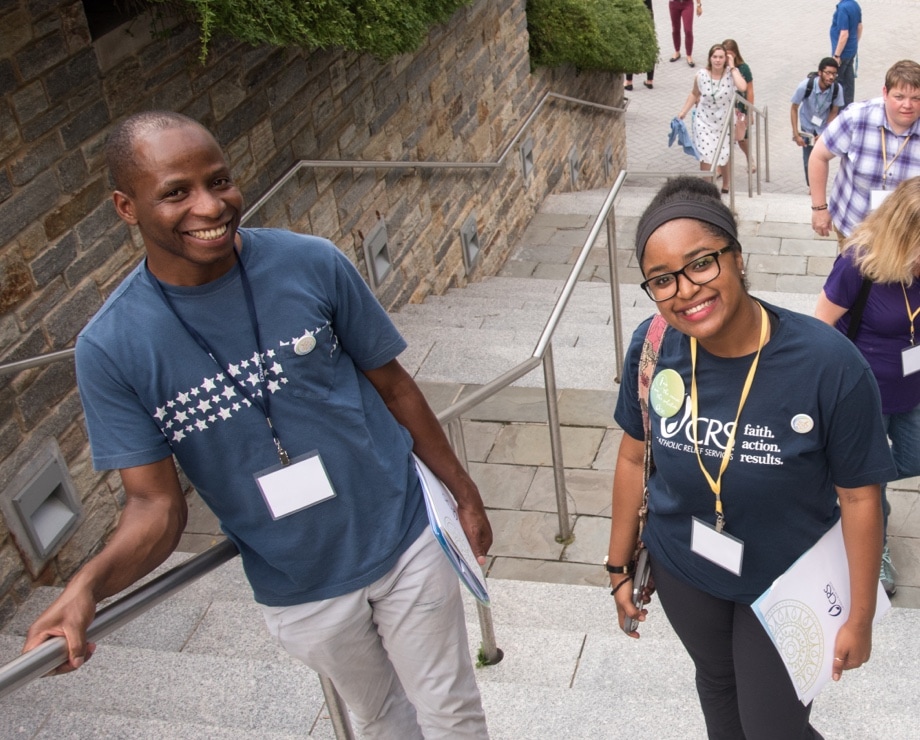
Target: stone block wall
461, 97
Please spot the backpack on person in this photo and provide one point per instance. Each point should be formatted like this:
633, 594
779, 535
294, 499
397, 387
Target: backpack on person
836, 87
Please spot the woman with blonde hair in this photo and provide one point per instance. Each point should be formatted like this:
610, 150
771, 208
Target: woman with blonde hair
873, 296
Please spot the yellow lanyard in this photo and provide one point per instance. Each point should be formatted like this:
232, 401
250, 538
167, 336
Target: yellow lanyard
912, 315
716, 484
886, 165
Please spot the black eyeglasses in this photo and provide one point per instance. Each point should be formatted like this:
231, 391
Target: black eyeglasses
702, 270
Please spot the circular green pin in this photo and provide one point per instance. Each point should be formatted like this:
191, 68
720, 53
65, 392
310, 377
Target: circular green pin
667, 393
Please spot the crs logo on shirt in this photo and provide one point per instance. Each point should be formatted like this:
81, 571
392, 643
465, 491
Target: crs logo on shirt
705, 432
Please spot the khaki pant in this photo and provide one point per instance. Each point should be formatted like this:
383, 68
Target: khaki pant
395, 650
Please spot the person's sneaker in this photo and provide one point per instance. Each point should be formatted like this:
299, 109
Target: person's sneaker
886, 574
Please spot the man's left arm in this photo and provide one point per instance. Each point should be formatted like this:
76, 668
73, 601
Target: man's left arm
405, 401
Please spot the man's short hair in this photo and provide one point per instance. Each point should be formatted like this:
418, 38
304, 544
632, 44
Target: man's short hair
119, 146
905, 73
828, 62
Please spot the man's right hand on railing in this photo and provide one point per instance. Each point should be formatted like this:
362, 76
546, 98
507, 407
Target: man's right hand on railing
69, 617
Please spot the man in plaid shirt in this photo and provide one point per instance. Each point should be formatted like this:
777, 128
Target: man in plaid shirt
878, 142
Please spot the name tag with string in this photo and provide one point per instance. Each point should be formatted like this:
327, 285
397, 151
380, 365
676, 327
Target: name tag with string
291, 488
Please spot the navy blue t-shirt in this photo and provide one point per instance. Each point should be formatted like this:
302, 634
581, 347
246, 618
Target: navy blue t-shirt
149, 390
812, 420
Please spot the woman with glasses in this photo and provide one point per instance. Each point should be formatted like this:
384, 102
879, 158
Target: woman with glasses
764, 430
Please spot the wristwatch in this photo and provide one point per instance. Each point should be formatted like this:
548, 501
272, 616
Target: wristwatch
625, 570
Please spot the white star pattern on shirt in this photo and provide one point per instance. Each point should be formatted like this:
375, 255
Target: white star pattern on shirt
197, 408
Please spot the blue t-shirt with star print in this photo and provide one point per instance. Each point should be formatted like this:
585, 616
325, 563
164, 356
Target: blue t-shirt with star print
150, 390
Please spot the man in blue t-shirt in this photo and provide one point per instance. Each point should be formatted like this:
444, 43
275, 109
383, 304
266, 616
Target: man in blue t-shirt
260, 362
815, 103
846, 31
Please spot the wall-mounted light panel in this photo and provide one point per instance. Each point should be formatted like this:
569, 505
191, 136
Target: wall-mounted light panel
469, 240
377, 253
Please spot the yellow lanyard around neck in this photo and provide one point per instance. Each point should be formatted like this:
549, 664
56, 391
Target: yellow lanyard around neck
716, 484
886, 165
912, 315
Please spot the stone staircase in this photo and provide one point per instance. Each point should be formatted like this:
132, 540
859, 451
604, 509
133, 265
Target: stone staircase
202, 666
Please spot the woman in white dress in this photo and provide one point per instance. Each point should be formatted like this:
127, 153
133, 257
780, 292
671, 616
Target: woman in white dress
713, 94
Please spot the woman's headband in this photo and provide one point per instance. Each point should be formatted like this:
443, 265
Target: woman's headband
699, 210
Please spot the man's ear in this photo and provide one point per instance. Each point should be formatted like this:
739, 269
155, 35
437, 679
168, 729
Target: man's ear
124, 207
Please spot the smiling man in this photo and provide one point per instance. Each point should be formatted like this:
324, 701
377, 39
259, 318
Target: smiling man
259, 360
878, 142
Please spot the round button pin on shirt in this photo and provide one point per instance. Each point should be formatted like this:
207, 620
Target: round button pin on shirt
802, 423
305, 345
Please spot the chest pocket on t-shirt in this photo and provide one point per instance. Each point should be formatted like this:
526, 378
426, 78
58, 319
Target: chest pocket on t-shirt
309, 363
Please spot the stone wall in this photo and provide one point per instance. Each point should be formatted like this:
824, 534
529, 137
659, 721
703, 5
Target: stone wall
461, 97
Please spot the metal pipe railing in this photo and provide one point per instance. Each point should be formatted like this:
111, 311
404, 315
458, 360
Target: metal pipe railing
15, 367
51, 653
421, 165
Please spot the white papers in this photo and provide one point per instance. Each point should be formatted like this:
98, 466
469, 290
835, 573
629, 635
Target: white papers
445, 523
805, 608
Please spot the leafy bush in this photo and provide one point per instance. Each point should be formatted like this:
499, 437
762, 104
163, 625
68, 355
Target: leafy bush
611, 35
384, 28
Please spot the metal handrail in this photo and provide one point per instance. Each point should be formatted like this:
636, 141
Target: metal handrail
423, 165
38, 360
53, 652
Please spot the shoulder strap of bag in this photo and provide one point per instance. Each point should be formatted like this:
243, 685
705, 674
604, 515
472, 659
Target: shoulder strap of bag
856, 311
810, 86
647, 363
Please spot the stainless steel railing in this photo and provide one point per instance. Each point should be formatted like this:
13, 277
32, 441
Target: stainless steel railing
53, 652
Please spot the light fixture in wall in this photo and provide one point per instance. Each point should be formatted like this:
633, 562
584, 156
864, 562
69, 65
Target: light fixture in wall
574, 165
377, 252
527, 158
469, 240
608, 161
41, 507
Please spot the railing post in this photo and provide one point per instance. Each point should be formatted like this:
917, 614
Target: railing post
766, 141
555, 442
614, 270
489, 652
338, 712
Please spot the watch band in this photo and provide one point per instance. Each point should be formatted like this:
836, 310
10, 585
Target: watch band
626, 570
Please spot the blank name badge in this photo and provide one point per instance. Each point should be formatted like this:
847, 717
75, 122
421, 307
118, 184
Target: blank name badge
294, 487
717, 547
910, 360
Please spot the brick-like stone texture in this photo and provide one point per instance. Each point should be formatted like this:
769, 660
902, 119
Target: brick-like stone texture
459, 98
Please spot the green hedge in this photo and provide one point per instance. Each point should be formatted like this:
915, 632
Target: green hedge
611, 35
384, 28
